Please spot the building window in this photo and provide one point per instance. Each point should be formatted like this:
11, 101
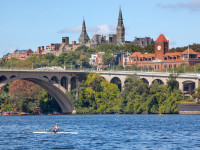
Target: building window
174, 65
155, 66
158, 66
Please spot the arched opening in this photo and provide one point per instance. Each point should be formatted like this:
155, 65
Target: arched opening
64, 82
158, 80
73, 83
3, 78
12, 76
117, 81
55, 79
55, 91
145, 81
103, 78
188, 87
45, 77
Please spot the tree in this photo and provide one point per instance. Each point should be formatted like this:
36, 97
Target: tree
98, 96
108, 59
172, 83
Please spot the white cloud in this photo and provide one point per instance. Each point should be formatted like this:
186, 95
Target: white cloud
98, 29
71, 30
193, 5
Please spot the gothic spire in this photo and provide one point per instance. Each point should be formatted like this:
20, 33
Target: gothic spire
83, 25
120, 31
120, 19
83, 38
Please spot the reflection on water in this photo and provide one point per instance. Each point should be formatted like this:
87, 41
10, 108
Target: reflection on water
102, 132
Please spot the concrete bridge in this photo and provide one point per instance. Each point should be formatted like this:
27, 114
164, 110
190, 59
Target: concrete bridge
57, 82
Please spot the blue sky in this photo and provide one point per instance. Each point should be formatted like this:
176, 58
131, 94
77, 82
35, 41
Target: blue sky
27, 24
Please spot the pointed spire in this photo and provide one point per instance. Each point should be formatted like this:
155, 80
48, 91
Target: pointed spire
83, 38
120, 31
83, 25
120, 14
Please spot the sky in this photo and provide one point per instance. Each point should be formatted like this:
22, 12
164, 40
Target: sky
28, 24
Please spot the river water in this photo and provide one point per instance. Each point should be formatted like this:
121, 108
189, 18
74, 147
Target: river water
109, 132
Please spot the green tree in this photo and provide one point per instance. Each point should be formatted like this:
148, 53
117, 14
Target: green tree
108, 59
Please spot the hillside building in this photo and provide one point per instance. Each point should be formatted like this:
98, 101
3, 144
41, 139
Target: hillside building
162, 58
20, 54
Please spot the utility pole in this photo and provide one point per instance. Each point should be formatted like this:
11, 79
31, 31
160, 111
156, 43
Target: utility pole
32, 65
71, 66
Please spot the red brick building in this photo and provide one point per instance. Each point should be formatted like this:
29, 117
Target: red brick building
162, 58
20, 54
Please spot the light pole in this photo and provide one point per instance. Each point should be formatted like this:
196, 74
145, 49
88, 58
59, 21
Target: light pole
64, 66
71, 66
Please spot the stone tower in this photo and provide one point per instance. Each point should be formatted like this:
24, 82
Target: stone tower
83, 38
120, 31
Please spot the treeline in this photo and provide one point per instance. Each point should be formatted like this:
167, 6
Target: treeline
27, 97
80, 58
96, 95
195, 47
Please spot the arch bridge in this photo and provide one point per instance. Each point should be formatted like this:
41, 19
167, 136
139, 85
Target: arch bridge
57, 82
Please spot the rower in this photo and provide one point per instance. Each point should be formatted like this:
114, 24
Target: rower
56, 128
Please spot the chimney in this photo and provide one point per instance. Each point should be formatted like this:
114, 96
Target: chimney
73, 42
39, 50
42, 48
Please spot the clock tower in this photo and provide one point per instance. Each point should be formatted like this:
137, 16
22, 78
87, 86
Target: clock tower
161, 47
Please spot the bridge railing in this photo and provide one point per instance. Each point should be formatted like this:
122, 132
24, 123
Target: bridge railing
89, 70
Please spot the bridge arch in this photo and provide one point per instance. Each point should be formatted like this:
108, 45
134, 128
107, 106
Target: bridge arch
73, 83
64, 82
3, 78
145, 81
158, 80
55, 79
12, 76
53, 88
117, 81
188, 87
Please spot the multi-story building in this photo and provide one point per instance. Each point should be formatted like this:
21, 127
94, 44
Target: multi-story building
20, 54
99, 60
93, 59
58, 48
142, 42
121, 58
97, 40
162, 58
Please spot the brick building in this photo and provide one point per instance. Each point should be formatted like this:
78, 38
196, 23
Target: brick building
162, 58
20, 54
